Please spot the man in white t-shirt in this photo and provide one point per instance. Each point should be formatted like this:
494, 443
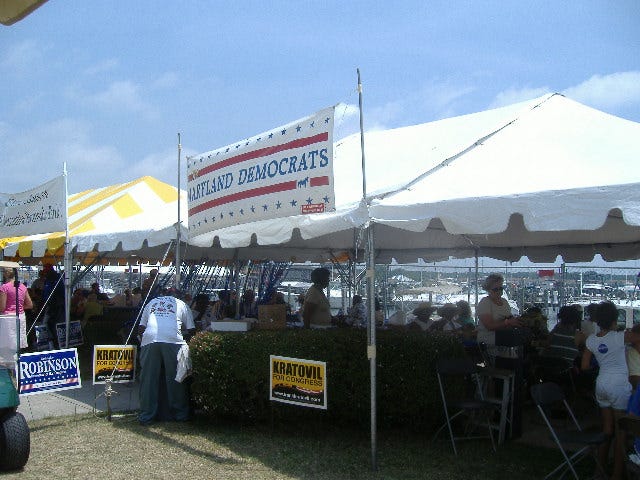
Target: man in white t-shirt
161, 327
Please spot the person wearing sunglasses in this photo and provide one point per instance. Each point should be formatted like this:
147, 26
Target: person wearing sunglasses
494, 311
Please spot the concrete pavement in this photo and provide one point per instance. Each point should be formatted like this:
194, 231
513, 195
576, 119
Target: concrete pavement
87, 399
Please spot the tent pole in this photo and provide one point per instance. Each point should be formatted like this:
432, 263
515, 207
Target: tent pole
67, 261
371, 327
179, 224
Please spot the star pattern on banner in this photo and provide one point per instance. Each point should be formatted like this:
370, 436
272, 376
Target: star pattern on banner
194, 164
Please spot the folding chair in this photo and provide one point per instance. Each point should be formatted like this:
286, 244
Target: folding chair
631, 427
470, 403
546, 395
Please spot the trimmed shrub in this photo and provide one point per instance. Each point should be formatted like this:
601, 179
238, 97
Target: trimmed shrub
231, 375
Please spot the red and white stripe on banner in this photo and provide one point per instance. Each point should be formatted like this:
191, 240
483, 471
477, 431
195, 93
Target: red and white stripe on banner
286, 171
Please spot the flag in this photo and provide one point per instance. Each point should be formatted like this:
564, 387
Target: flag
283, 172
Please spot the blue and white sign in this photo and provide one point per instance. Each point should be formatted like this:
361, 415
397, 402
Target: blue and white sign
44, 372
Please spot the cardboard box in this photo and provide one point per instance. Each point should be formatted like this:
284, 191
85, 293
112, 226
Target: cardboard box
272, 317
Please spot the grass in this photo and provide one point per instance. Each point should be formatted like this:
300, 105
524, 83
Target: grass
88, 447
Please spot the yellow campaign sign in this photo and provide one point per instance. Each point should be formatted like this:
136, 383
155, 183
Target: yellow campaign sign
114, 361
298, 381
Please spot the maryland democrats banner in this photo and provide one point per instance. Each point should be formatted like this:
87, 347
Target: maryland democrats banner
46, 372
297, 381
284, 172
40, 210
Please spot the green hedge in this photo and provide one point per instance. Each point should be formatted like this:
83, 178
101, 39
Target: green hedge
231, 375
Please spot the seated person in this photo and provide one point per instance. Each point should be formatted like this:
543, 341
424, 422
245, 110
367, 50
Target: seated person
448, 319
92, 308
78, 300
357, 313
422, 317
295, 319
465, 316
202, 312
228, 315
101, 296
534, 320
564, 339
248, 305
278, 299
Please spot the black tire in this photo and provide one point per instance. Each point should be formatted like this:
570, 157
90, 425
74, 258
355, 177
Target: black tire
15, 442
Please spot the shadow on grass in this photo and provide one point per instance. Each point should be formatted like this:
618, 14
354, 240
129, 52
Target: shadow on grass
315, 450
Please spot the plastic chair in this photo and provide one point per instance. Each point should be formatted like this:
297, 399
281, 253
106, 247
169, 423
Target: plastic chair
631, 427
470, 403
546, 395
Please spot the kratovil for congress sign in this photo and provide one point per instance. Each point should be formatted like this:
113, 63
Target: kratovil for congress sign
298, 381
284, 172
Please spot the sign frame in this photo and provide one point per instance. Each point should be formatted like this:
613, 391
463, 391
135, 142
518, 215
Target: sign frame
292, 391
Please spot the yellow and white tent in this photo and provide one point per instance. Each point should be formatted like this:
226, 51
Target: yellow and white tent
137, 217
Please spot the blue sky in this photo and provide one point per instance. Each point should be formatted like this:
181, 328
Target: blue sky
107, 85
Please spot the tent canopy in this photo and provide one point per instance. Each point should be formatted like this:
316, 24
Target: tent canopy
137, 217
535, 179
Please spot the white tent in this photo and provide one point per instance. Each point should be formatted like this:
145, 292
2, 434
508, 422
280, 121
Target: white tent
539, 178
536, 179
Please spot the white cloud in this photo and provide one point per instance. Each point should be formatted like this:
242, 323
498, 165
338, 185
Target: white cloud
162, 165
102, 67
120, 96
438, 97
34, 156
21, 57
166, 80
608, 92
605, 92
515, 95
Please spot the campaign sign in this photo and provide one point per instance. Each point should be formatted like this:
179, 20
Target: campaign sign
117, 362
45, 372
75, 334
299, 382
43, 340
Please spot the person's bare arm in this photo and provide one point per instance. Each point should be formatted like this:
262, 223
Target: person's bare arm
28, 303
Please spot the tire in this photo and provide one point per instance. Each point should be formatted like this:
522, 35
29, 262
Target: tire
15, 442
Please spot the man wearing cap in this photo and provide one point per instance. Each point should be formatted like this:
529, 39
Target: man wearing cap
161, 326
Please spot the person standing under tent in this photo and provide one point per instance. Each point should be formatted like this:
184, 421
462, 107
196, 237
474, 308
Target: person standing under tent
613, 389
161, 327
9, 302
316, 308
53, 298
494, 311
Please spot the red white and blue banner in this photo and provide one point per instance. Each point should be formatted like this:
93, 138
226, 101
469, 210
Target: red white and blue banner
45, 372
284, 172
39, 210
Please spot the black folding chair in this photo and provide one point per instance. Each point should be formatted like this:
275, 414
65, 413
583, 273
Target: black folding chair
631, 427
547, 395
465, 400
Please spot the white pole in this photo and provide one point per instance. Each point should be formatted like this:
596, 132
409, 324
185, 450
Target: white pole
67, 261
179, 224
371, 292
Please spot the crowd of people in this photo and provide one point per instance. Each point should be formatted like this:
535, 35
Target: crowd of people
587, 340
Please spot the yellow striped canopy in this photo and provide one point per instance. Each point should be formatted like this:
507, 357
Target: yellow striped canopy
128, 218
